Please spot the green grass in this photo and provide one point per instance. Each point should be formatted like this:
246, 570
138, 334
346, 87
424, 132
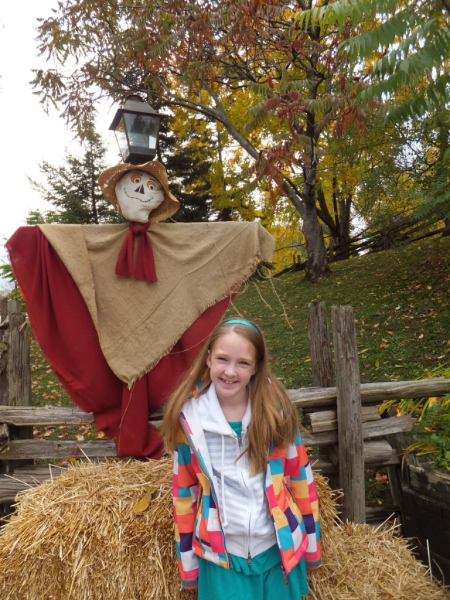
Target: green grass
47, 391
400, 300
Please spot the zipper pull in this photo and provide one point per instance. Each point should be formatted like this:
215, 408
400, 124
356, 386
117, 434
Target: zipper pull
240, 441
285, 577
249, 558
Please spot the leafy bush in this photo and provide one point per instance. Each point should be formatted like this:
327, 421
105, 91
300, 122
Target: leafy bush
432, 426
433, 429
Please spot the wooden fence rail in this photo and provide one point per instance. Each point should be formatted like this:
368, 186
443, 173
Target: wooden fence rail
40, 448
304, 398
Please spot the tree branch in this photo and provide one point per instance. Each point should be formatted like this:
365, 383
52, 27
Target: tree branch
248, 146
323, 211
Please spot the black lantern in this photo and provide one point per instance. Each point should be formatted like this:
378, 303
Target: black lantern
136, 126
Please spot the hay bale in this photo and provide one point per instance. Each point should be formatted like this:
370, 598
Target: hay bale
77, 537
363, 563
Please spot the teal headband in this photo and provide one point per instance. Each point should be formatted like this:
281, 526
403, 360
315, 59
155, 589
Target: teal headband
242, 323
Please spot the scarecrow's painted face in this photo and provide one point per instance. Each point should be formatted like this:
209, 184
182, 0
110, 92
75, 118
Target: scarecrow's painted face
138, 193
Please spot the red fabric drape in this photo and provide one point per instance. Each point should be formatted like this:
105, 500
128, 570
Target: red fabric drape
64, 329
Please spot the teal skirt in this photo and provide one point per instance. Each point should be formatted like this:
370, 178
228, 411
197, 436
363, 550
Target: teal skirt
217, 583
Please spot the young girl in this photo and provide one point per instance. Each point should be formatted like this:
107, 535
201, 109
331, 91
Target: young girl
245, 505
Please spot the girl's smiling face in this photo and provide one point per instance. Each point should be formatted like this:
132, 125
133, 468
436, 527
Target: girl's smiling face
232, 363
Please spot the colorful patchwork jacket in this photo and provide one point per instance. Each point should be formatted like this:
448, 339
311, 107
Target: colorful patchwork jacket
289, 488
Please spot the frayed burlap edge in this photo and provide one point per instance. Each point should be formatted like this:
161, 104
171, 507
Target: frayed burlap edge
233, 290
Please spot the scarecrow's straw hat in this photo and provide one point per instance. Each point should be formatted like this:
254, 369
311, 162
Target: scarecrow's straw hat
109, 178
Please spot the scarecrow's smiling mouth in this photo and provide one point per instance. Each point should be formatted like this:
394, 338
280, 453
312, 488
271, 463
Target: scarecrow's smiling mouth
136, 198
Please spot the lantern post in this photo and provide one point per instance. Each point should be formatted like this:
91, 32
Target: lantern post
136, 126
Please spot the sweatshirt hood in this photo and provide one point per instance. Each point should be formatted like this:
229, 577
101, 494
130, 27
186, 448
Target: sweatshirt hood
211, 414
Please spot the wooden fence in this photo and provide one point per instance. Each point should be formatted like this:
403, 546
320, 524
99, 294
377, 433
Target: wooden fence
342, 421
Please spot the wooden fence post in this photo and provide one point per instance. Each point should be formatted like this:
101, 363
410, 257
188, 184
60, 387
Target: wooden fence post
319, 343
321, 361
348, 397
15, 372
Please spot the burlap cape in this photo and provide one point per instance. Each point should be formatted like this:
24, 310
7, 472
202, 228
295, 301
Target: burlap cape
197, 265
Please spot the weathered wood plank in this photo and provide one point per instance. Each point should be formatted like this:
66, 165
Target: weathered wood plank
4, 324
431, 482
325, 467
44, 415
4, 432
38, 448
326, 420
373, 393
4, 435
18, 365
39, 471
11, 486
383, 427
319, 344
348, 401
377, 515
374, 452
370, 413
372, 429
17, 387
321, 364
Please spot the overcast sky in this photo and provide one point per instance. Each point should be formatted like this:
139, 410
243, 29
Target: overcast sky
28, 135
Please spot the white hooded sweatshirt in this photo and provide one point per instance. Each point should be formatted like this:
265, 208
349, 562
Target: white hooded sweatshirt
243, 506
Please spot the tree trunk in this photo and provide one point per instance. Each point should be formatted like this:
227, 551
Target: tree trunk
317, 264
304, 202
317, 255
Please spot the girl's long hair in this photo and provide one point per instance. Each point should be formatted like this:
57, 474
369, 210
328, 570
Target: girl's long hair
274, 418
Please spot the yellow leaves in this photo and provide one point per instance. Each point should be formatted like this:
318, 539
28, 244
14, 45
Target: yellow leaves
289, 242
144, 502
434, 400
377, 364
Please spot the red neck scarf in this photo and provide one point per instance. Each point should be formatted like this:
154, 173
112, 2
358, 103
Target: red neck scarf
145, 262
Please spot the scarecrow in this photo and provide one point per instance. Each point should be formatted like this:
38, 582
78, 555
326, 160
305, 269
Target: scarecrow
121, 311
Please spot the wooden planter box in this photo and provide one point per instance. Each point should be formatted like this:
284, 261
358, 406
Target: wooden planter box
424, 497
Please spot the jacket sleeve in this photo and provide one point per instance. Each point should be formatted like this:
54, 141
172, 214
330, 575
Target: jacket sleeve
298, 470
185, 493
